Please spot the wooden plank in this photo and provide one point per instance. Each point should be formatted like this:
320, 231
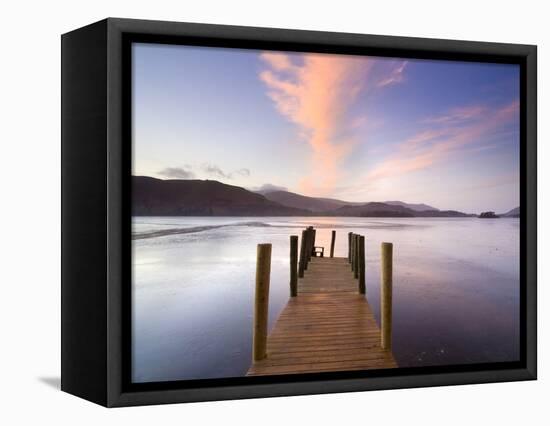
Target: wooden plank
257, 369
329, 326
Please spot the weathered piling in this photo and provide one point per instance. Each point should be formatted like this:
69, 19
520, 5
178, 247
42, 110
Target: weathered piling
308, 248
386, 295
349, 247
261, 302
313, 234
311, 242
332, 241
302, 264
356, 266
362, 284
352, 251
293, 265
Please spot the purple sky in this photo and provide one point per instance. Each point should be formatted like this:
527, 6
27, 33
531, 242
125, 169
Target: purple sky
350, 127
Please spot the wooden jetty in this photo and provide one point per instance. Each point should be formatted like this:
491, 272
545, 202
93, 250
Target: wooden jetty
327, 324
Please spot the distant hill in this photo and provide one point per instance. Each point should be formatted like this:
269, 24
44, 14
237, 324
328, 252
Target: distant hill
176, 197
317, 204
415, 207
291, 199
157, 197
392, 210
511, 213
374, 210
443, 213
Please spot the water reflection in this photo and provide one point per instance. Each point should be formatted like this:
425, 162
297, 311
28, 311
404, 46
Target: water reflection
456, 289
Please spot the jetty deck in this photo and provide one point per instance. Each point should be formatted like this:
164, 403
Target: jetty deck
327, 326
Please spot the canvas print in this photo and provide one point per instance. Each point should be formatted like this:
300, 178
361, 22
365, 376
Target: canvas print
297, 213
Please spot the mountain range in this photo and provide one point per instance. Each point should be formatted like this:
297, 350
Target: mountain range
193, 197
174, 197
316, 204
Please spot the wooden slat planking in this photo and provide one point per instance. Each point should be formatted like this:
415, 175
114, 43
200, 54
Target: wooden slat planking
329, 326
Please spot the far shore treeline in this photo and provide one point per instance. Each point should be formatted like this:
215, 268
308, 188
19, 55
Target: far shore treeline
157, 197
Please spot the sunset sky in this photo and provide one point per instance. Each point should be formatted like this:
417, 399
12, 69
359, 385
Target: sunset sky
349, 127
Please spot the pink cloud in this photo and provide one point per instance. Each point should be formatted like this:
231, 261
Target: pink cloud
459, 129
458, 115
278, 61
395, 76
316, 94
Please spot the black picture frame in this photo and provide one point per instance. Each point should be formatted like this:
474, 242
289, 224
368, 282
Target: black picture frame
96, 119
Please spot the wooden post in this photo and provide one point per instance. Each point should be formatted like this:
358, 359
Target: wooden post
308, 250
293, 265
310, 243
302, 265
356, 258
261, 302
332, 241
362, 284
386, 295
313, 233
349, 247
352, 252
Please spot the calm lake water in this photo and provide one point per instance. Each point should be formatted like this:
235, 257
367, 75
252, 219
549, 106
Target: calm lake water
455, 300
